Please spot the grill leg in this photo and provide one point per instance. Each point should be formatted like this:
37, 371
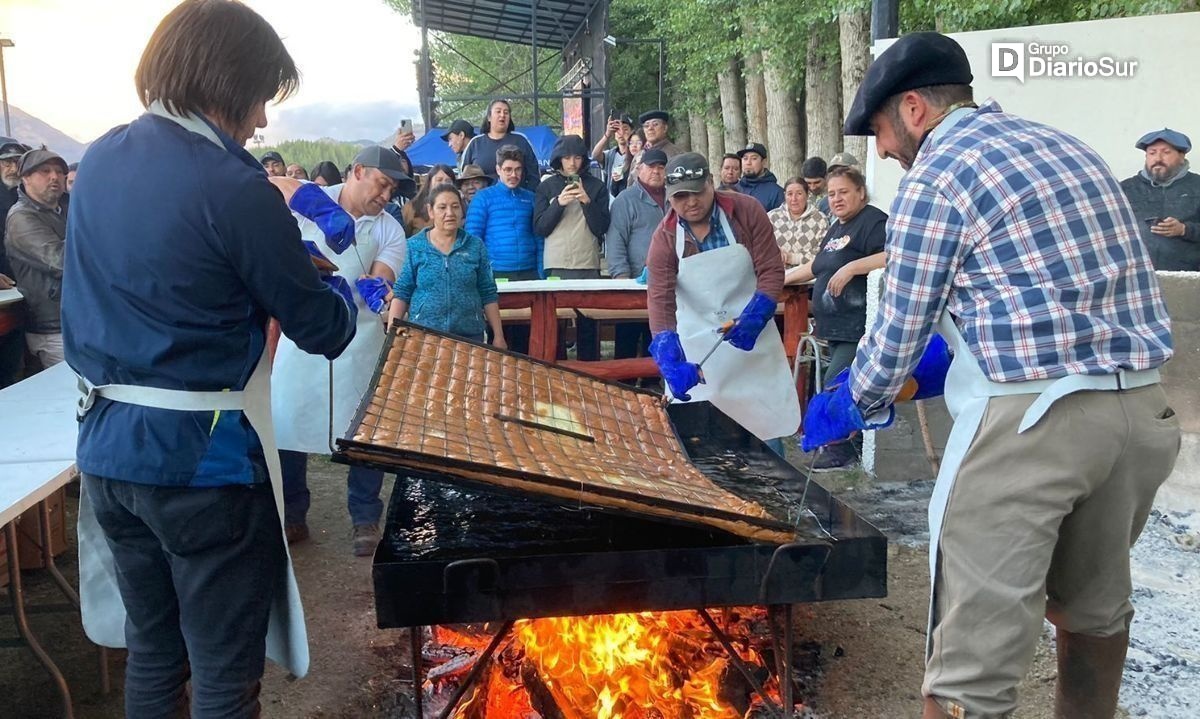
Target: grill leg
786, 677
477, 670
418, 678
737, 661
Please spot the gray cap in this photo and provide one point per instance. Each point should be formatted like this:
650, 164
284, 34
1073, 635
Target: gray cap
843, 159
10, 149
388, 162
687, 173
1174, 138
34, 159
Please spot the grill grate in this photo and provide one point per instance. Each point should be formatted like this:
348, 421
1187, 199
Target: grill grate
477, 414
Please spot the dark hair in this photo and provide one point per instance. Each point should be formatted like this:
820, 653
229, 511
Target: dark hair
327, 170
795, 181
509, 152
215, 57
440, 190
851, 174
938, 96
422, 200
730, 156
486, 126
814, 167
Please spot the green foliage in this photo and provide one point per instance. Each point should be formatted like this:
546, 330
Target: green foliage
467, 66
309, 152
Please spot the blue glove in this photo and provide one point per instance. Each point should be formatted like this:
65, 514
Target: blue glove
681, 375
643, 278
339, 285
311, 201
930, 374
750, 323
374, 291
832, 417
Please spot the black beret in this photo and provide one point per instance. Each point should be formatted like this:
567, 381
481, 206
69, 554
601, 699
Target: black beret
919, 59
653, 115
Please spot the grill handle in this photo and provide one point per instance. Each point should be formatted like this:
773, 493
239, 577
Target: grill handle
480, 568
798, 550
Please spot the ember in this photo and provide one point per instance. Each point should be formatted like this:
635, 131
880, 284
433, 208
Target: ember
665, 665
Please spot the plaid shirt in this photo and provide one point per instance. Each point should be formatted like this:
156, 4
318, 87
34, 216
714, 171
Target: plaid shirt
1023, 234
716, 238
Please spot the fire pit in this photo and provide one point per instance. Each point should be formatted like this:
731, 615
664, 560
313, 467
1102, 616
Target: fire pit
690, 512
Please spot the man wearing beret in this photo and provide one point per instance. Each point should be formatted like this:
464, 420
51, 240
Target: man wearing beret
1033, 270
12, 345
34, 240
757, 181
1166, 201
654, 126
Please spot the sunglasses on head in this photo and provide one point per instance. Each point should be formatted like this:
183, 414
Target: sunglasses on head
681, 174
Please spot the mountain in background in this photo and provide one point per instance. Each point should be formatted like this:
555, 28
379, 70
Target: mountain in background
35, 133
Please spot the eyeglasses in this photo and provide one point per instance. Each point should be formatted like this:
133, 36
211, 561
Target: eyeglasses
681, 174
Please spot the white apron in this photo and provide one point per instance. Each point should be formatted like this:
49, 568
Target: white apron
300, 382
100, 599
967, 392
754, 388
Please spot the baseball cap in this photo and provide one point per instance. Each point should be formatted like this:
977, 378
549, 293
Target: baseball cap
272, 155
1174, 138
843, 159
654, 156
388, 162
755, 147
686, 173
466, 128
34, 159
10, 149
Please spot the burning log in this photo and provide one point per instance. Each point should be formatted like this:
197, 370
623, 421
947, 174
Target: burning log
540, 697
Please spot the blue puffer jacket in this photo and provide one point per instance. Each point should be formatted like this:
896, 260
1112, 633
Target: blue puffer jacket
764, 188
503, 219
447, 292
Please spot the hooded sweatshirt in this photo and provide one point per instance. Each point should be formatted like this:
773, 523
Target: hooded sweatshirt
764, 188
481, 150
573, 233
1178, 197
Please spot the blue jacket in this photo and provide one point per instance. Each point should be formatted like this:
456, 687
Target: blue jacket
764, 188
173, 266
447, 292
635, 216
503, 219
481, 150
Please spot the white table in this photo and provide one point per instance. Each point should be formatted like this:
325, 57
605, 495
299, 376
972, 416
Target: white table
37, 458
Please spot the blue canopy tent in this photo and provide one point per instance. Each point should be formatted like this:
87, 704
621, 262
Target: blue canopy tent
430, 150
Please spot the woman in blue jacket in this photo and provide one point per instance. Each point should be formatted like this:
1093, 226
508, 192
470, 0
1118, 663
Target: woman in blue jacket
446, 283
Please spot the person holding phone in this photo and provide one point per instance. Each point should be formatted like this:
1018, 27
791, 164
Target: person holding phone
612, 160
1165, 197
570, 210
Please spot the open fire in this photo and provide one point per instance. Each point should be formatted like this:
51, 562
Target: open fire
661, 665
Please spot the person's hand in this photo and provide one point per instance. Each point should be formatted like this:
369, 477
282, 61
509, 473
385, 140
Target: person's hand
310, 200
567, 196
929, 378
644, 278
679, 374
319, 260
833, 417
1169, 227
374, 291
498, 341
838, 282
6, 282
612, 128
750, 323
581, 195
404, 140
783, 255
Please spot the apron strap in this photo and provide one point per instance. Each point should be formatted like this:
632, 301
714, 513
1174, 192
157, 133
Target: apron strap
1070, 384
157, 397
721, 217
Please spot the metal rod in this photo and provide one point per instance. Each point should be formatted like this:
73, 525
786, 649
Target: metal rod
4, 94
22, 622
534, 63
585, 93
786, 678
545, 427
738, 663
414, 636
476, 670
48, 556
427, 82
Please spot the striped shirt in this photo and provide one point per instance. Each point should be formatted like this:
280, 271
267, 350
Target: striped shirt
1023, 234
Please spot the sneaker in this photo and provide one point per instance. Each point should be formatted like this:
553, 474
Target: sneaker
366, 538
836, 456
295, 532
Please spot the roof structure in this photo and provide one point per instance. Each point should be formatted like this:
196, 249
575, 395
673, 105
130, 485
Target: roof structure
556, 21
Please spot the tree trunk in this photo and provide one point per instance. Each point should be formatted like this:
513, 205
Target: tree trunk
854, 34
756, 100
784, 132
699, 132
716, 139
823, 88
683, 131
733, 105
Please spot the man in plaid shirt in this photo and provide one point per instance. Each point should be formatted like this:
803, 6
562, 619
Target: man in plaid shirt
1016, 242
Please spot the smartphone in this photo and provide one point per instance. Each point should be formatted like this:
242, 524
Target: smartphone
1152, 221
406, 126
614, 114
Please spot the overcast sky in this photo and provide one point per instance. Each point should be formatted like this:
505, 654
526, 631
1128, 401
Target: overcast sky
74, 60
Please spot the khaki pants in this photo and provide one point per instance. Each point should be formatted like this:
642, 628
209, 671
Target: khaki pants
1040, 525
48, 349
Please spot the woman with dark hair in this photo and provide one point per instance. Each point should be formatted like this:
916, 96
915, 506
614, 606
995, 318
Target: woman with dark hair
416, 213
165, 303
799, 225
446, 283
852, 247
498, 130
326, 174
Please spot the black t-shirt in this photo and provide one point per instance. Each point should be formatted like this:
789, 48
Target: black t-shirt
843, 318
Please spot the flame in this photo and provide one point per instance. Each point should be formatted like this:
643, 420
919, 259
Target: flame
621, 666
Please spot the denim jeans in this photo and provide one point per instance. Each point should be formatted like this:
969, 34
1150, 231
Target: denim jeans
362, 490
197, 569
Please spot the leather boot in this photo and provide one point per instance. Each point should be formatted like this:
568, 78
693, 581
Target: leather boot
1089, 675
